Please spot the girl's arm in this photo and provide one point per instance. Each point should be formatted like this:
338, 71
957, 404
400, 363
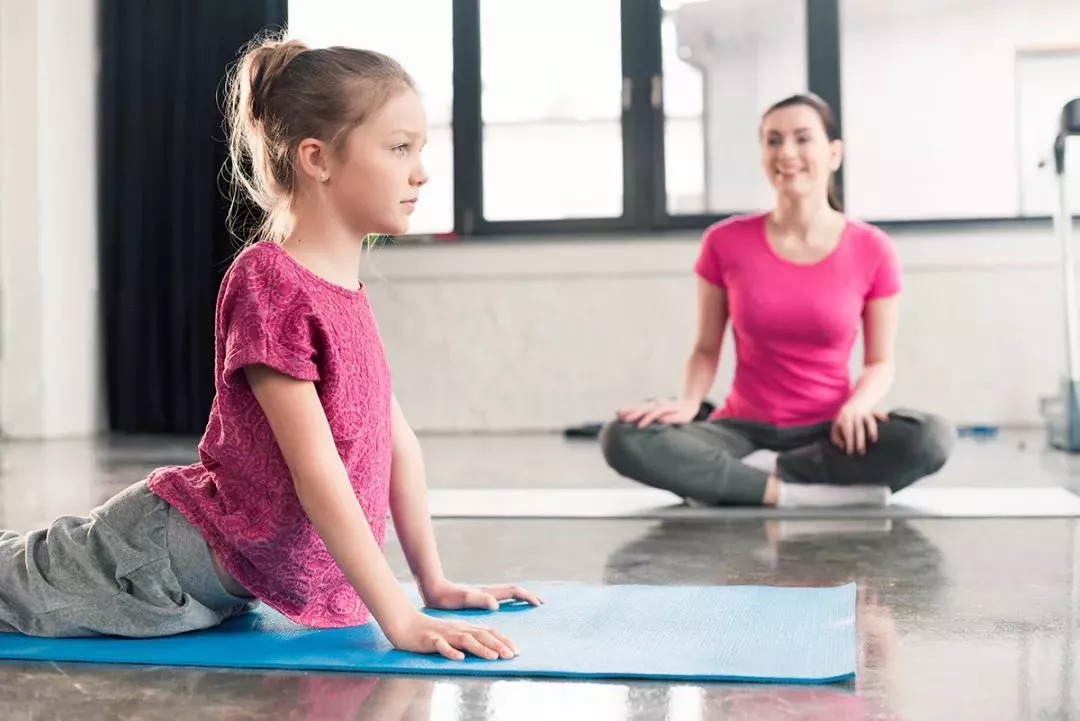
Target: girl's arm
412, 524
409, 506
299, 425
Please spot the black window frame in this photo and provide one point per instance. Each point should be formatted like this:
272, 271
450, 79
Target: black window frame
645, 201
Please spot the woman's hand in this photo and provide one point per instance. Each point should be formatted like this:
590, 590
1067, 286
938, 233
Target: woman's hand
855, 428
665, 412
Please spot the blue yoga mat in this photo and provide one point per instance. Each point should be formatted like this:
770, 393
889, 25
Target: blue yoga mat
693, 633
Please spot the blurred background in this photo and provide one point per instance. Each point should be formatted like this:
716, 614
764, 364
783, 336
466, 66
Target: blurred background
578, 149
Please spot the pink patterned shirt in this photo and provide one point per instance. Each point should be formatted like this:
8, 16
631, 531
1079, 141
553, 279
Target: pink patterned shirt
240, 496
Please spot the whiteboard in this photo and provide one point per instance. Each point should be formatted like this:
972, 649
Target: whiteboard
1045, 81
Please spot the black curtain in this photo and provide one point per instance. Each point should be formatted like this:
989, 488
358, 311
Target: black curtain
163, 200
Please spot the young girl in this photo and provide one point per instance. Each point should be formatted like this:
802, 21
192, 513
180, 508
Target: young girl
306, 449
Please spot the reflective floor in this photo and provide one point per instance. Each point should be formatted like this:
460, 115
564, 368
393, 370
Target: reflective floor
958, 619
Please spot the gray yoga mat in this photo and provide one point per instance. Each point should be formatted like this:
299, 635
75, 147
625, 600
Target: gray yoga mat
647, 503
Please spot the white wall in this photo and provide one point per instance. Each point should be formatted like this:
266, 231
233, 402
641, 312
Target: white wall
489, 336
48, 219
930, 112
931, 118
749, 56
521, 336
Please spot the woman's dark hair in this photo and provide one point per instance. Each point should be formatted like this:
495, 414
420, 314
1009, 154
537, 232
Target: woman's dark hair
828, 120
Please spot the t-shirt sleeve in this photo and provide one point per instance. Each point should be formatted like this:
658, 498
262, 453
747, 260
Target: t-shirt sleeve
708, 265
886, 280
266, 318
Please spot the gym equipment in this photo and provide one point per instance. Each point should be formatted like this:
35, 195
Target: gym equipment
1062, 413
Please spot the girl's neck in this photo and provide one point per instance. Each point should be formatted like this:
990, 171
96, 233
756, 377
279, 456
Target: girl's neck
328, 251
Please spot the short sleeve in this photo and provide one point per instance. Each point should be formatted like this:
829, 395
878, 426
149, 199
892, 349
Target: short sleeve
886, 280
708, 266
266, 318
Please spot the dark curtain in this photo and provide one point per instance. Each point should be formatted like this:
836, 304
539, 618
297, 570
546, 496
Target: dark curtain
163, 200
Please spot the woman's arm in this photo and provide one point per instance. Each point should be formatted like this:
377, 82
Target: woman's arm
856, 423
712, 320
881, 319
700, 369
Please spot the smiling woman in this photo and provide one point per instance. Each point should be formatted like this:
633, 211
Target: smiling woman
795, 283
793, 171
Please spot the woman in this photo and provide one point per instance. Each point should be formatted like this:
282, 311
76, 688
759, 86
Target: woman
794, 282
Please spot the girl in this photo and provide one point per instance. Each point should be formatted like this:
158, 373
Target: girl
795, 283
306, 449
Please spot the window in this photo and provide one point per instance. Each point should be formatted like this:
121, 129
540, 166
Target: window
552, 109
724, 63
947, 109
936, 106
418, 34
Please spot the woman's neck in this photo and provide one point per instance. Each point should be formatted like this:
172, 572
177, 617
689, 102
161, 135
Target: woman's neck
800, 217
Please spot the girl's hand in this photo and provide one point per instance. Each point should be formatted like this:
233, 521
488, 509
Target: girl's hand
451, 596
856, 428
452, 639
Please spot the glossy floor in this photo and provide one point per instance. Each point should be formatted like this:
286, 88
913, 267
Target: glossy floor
972, 619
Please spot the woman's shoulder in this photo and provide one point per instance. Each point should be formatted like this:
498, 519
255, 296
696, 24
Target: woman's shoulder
868, 232
736, 226
870, 239
734, 232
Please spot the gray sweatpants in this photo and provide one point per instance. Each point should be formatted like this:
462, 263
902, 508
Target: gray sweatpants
133, 567
702, 461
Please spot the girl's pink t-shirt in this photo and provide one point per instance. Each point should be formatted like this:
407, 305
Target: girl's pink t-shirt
794, 324
240, 495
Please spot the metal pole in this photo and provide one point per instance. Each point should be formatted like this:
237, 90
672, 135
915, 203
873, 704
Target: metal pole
1064, 222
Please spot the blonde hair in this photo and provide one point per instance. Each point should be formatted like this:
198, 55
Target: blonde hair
282, 92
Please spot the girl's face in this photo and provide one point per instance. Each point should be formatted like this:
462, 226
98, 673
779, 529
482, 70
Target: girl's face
376, 178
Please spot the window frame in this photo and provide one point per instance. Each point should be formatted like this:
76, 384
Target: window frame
644, 187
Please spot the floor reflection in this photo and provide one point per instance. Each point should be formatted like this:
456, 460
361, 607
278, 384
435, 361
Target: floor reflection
957, 620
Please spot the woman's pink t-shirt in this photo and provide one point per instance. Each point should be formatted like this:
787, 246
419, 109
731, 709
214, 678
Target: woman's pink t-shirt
240, 496
794, 324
